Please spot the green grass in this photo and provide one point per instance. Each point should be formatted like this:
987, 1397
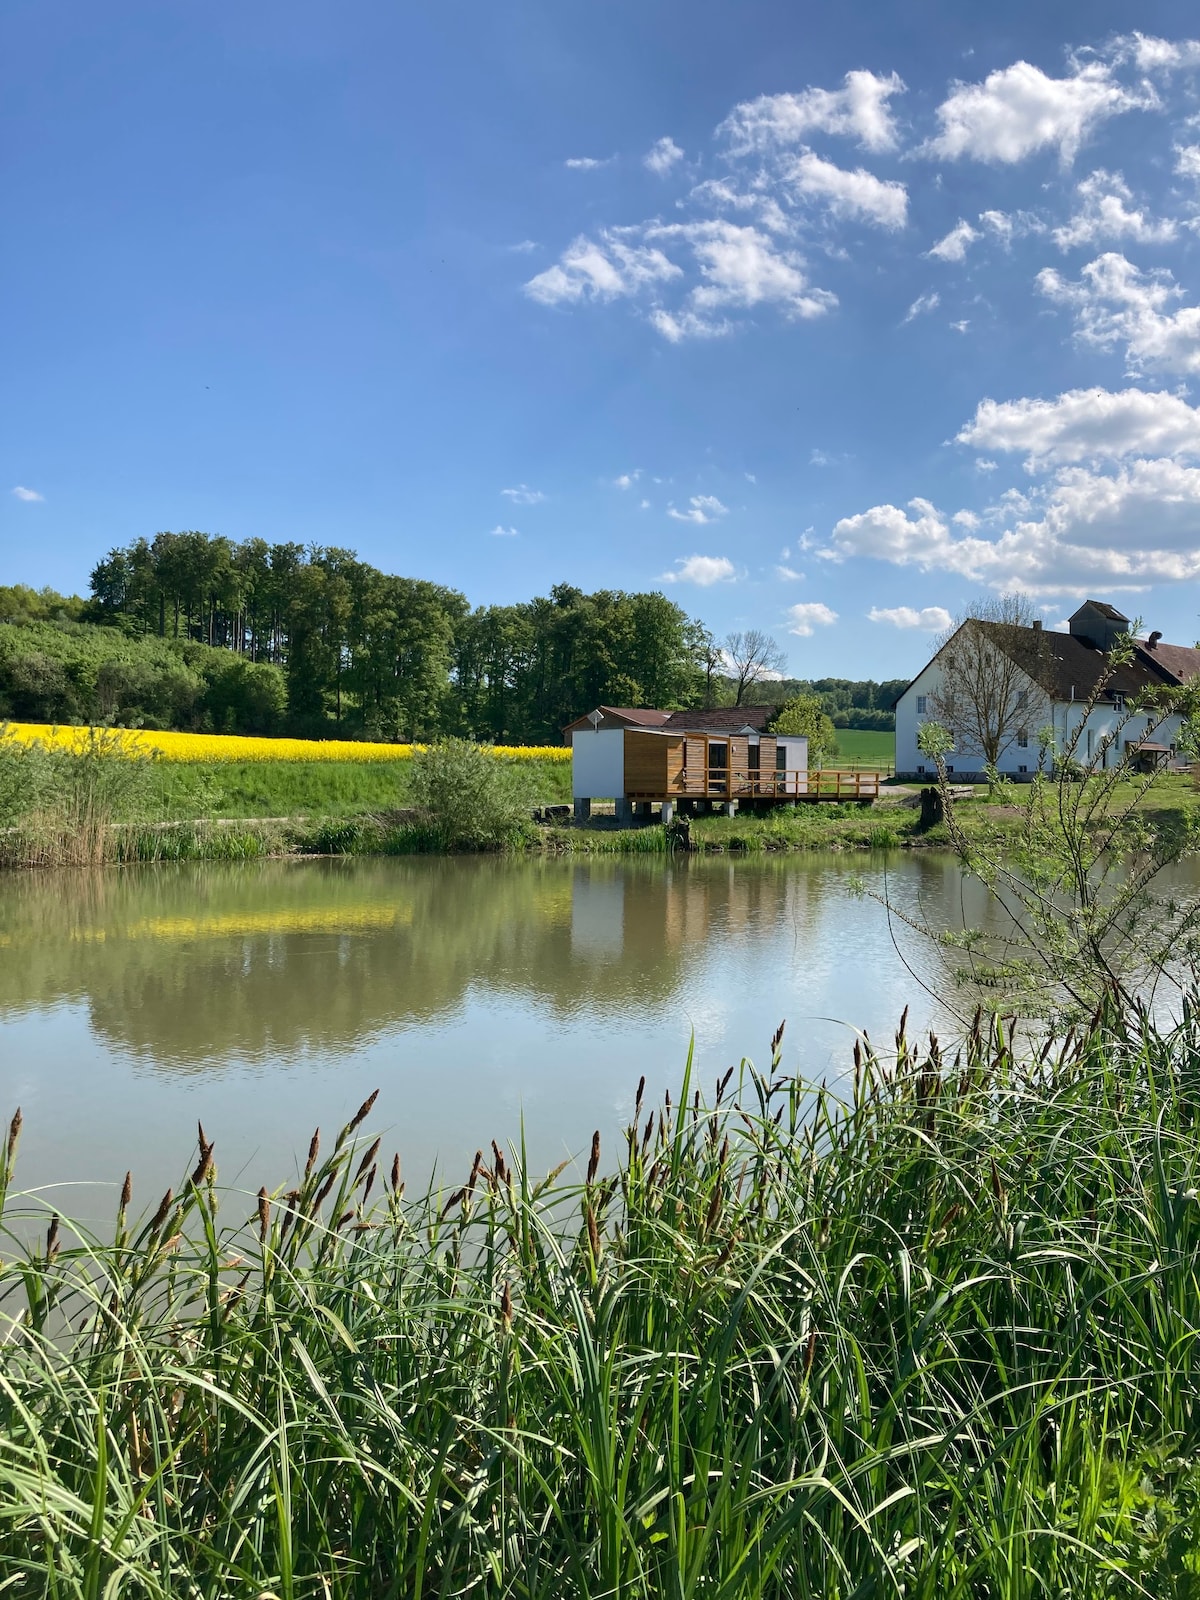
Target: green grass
938, 1340
866, 745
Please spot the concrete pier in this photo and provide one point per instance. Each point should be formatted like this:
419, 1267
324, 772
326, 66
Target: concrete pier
668, 811
583, 810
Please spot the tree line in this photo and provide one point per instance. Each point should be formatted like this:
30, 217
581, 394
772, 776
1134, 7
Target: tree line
200, 631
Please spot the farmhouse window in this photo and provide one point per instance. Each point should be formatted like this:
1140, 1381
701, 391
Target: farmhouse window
1023, 739
1022, 698
922, 704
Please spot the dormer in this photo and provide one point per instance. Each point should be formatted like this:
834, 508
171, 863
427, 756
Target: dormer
1098, 624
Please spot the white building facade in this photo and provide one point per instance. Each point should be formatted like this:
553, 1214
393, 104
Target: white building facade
1064, 669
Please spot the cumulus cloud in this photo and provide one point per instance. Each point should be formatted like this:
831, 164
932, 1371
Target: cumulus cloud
601, 270
806, 618
523, 495
701, 508
587, 163
922, 304
22, 493
1156, 55
953, 247
742, 266
1084, 425
860, 110
787, 574
1116, 303
676, 326
501, 532
1187, 160
1104, 214
701, 570
662, 156
1018, 110
628, 479
858, 194
930, 619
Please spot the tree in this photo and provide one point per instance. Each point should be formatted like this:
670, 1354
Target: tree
804, 717
751, 656
992, 662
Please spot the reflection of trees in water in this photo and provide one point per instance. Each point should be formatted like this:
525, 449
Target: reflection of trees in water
188, 965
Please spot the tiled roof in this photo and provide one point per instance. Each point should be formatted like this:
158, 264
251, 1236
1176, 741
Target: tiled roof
1068, 667
1179, 662
722, 719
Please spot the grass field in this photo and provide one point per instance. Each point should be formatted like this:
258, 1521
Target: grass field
866, 746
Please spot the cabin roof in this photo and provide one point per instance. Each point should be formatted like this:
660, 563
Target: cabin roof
721, 719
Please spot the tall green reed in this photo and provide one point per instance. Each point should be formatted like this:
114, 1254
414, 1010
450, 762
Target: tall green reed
934, 1337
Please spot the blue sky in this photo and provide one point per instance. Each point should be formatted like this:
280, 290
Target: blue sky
824, 319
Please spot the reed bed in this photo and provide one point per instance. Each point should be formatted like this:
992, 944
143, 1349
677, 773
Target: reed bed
934, 1339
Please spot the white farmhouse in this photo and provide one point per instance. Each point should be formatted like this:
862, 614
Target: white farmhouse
1046, 680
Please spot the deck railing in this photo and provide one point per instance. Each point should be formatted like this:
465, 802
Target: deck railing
738, 783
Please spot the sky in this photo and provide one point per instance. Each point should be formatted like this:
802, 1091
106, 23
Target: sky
824, 320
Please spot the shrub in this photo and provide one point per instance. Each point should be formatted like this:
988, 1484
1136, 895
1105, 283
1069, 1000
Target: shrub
472, 801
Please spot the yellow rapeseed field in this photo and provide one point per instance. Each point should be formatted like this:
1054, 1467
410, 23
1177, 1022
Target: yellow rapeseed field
233, 747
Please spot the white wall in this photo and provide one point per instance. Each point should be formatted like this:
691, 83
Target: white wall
796, 767
1064, 717
597, 764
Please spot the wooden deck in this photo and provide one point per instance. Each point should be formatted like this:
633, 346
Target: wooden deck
742, 783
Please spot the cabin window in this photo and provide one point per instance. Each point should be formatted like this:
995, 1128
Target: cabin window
753, 756
1023, 740
781, 758
922, 704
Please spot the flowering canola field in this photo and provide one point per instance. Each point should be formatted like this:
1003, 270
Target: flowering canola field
234, 747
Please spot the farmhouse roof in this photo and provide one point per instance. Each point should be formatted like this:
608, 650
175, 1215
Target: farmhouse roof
722, 719
1069, 667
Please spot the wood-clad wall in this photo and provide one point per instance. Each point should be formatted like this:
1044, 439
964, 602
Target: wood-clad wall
646, 763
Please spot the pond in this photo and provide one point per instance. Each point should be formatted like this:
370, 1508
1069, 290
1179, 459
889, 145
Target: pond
481, 996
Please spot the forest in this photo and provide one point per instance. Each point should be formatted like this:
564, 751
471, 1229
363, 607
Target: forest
198, 632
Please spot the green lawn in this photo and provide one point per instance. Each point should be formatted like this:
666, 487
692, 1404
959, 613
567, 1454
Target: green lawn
867, 746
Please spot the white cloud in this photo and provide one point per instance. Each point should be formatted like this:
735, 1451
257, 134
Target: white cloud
961, 327
1086, 424
1116, 303
1103, 214
601, 271
643, 505
1156, 55
701, 508
787, 574
628, 479
930, 619
857, 194
501, 532
679, 325
524, 247
1080, 541
741, 266
587, 163
523, 495
1019, 109
662, 156
859, 110
953, 247
1187, 160
922, 304
805, 618
22, 493
702, 570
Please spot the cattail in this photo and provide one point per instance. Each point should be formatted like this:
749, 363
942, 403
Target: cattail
126, 1196
637, 1104
723, 1085
264, 1213
714, 1207
160, 1216
14, 1133
476, 1166
345, 1217
396, 1171
777, 1038
370, 1183
594, 1160
593, 1233
314, 1144
810, 1351
366, 1161
205, 1164
455, 1199
361, 1115
52, 1238
501, 1169
323, 1191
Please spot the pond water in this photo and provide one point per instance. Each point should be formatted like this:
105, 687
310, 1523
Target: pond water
478, 995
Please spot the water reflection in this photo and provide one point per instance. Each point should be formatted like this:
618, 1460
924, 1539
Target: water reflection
265, 997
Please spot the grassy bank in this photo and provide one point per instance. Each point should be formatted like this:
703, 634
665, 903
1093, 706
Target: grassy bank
938, 1340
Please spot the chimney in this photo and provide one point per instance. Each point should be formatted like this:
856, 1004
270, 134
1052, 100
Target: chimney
1153, 639
1037, 623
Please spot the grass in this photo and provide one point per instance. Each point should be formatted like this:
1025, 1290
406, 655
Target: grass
936, 1340
866, 746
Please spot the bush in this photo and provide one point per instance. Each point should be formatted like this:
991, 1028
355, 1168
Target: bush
472, 800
